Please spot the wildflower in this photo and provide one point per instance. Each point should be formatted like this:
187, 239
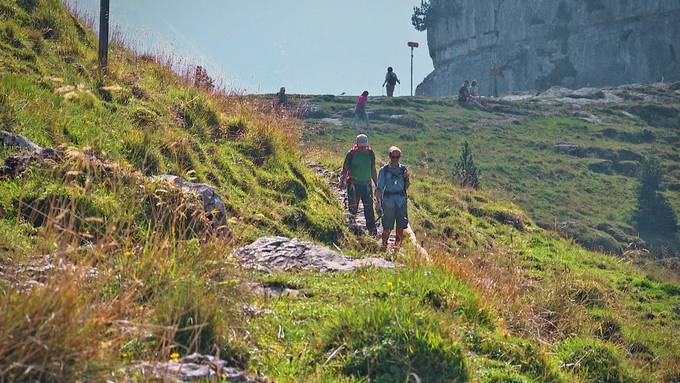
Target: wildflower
124, 355
389, 284
174, 356
128, 254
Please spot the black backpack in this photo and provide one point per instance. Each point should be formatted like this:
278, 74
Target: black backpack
392, 80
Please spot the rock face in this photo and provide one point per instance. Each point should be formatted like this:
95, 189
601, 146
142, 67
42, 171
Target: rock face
269, 254
540, 43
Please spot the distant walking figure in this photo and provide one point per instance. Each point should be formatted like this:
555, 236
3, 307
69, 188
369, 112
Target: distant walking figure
360, 111
281, 100
391, 80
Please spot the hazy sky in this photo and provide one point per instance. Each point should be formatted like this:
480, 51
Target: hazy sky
309, 46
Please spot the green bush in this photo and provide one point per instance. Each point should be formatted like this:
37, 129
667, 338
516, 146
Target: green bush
465, 171
389, 341
592, 360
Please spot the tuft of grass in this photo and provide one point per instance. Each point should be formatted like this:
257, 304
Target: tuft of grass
389, 342
57, 332
592, 360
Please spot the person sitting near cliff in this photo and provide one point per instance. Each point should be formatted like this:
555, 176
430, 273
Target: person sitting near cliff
464, 93
474, 97
474, 90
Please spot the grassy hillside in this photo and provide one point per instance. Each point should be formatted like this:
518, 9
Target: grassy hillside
591, 194
103, 267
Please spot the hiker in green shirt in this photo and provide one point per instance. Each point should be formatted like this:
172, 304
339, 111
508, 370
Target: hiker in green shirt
359, 175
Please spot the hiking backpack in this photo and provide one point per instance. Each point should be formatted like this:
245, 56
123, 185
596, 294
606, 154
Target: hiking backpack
350, 157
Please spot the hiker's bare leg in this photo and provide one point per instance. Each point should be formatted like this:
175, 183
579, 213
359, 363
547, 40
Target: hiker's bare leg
400, 236
385, 237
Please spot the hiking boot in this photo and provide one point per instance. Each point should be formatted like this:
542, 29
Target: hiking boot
373, 232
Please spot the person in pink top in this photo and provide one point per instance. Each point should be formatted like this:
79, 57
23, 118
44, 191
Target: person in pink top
360, 111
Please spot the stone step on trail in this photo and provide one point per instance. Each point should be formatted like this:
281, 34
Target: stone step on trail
270, 254
194, 367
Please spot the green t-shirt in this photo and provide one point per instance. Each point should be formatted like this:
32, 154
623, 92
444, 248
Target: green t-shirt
362, 166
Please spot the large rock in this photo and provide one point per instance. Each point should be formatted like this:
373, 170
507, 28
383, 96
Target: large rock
190, 368
212, 202
541, 43
269, 254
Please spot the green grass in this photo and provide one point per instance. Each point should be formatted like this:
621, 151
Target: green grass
503, 300
515, 152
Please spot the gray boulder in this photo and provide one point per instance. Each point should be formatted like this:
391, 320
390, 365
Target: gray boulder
269, 254
212, 202
190, 368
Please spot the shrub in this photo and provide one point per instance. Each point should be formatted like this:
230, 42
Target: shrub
466, 171
429, 11
654, 214
387, 342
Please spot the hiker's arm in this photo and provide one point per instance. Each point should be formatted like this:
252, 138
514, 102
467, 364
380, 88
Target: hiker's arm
374, 174
344, 171
379, 190
407, 179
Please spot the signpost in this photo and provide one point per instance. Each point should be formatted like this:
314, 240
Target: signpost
412, 45
103, 34
495, 72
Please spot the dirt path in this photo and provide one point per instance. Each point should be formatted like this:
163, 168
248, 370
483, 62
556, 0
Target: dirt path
358, 223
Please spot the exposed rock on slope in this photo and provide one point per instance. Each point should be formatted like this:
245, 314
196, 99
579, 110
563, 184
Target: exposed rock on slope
283, 254
540, 43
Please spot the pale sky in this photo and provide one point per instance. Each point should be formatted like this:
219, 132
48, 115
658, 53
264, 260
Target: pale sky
308, 46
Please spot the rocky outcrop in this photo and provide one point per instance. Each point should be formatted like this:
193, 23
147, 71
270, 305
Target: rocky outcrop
212, 202
270, 254
540, 43
15, 165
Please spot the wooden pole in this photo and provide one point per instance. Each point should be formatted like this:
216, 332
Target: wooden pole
411, 71
103, 34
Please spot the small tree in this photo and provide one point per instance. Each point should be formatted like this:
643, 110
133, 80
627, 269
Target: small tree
466, 171
650, 178
654, 215
420, 15
429, 11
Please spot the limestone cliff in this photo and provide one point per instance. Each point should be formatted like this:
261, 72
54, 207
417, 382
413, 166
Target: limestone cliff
540, 43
